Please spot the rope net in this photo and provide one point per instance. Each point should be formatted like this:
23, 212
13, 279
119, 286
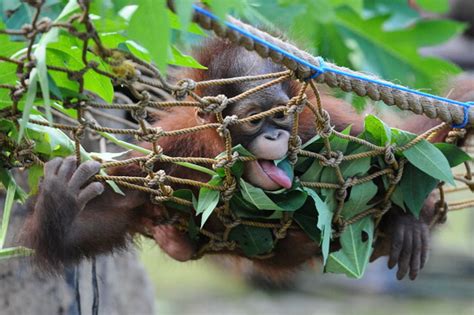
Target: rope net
153, 92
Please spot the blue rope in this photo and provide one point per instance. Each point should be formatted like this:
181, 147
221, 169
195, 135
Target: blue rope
322, 68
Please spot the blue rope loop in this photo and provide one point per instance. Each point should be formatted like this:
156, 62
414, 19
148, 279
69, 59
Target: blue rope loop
317, 71
321, 69
466, 116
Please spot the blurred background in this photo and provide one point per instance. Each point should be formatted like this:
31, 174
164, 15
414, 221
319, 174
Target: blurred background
418, 43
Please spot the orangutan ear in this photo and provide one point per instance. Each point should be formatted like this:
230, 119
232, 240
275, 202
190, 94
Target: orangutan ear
204, 118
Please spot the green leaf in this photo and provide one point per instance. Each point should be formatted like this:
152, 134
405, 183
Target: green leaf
340, 144
10, 197
313, 173
358, 199
290, 200
307, 219
416, 186
184, 10
358, 167
193, 230
453, 153
62, 55
208, 199
6, 178
12, 252
34, 174
430, 160
397, 198
244, 209
436, 6
256, 196
222, 8
182, 60
149, 26
401, 15
394, 55
30, 98
380, 133
356, 247
253, 240
324, 222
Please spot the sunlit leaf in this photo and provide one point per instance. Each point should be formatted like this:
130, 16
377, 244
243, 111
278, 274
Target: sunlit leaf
356, 243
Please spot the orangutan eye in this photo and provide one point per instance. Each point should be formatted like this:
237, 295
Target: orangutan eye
256, 122
279, 115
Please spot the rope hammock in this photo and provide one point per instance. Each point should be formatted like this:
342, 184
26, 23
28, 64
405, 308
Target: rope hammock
301, 66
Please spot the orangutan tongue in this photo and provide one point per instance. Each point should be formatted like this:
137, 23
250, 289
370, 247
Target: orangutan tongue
276, 174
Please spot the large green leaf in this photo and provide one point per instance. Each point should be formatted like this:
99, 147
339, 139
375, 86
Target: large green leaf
60, 54
290, 200
253, 240
453, 153
358, 199
416, 186
430, 160
313, 173
356, 247
257, 197
149, 26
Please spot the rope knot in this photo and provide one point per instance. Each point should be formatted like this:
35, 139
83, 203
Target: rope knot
156, 180
27, 29
140, 113
76, 75
281, 232
455, 134
224, 162
294, 147
332, 159
227, 220
92, 64
323, 125
297, 104
223, 129
395, 178
183, 88
80, 131
164, 193
441, 208
214, 104
389, 156
341, 192
17, 94
151, 134
44, 25
229, 189
149, 165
